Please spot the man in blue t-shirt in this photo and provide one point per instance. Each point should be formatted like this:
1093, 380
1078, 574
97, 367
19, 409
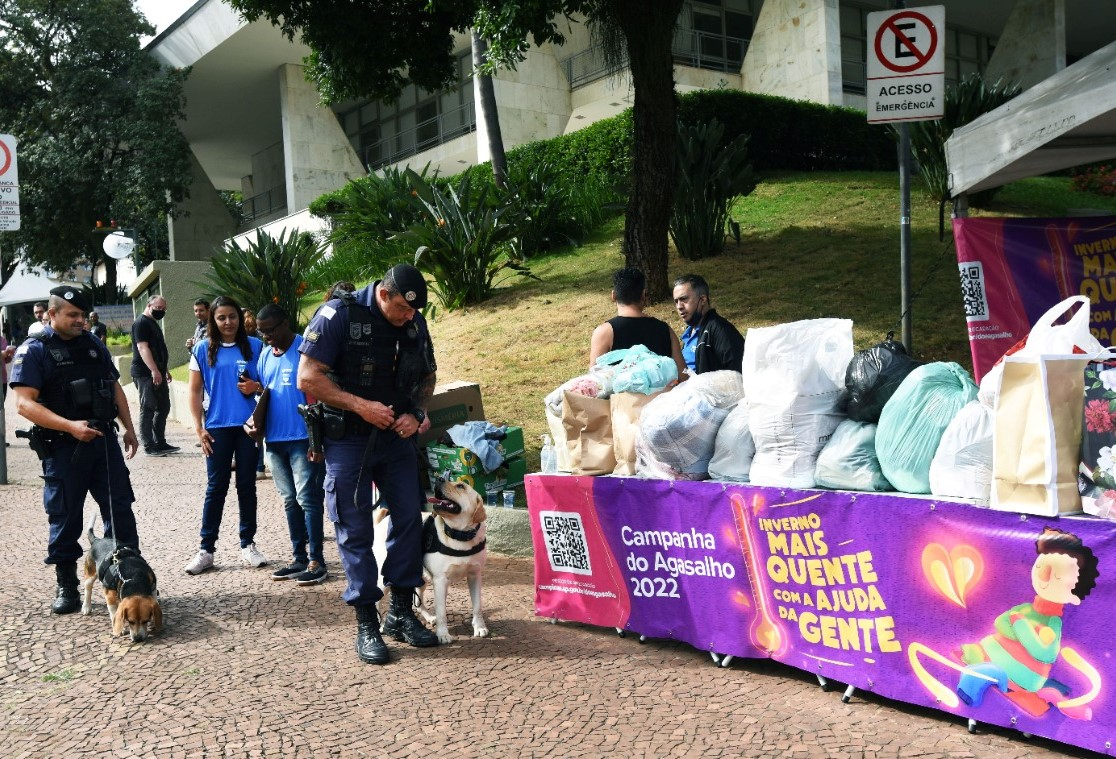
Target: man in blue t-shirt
297, 478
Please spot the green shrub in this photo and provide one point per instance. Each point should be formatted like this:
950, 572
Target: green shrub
268, 270
1097, 178
709, 176
793, 135
463, 242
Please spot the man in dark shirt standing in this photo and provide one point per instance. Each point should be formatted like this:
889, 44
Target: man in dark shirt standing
709, 342
149, 372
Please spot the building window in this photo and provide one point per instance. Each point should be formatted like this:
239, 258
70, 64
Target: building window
383, 133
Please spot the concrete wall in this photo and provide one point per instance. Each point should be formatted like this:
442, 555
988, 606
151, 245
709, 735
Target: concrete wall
796, 51
174, 280
533, 100
318, 156
203, 222
1032, 46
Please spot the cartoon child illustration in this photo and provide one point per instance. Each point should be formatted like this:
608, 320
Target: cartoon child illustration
1018, 656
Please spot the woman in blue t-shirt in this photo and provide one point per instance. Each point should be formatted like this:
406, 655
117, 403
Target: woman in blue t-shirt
224, 366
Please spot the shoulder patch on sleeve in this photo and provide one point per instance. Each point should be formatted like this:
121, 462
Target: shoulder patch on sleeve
311, 336
328, 312
22, 349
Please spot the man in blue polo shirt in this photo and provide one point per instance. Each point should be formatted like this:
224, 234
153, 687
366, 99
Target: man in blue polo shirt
298, 480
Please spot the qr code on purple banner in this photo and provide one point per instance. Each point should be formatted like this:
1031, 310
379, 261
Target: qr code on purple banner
565, 542
972, 291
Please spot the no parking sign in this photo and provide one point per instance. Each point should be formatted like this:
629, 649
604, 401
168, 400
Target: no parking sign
906, 65
9, 185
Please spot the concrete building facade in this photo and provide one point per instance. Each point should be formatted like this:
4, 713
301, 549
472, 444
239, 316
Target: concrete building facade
256, 126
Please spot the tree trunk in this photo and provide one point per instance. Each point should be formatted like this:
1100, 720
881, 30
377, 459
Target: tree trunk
486, 99
649, 37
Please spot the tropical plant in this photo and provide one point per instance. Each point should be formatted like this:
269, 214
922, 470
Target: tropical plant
267, 270
708, 177
970, 98
538, 198
463, 240
364, 217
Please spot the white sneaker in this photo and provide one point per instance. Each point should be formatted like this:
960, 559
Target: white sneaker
200, 563
252, 556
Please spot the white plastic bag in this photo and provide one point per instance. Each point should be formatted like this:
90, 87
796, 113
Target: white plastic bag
1047, 338
795, 377
848, 461
678, 429
962, 466
734, 449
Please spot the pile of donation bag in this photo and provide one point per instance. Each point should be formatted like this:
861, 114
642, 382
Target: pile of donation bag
1037, 436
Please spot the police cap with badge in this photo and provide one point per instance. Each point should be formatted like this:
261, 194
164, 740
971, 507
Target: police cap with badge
74, 296
408, 282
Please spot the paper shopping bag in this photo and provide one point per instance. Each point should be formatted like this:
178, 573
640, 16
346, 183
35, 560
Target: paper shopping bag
588, 425
1097, 473
626, 408
1036, 437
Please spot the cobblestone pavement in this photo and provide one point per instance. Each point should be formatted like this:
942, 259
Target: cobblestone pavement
249, 667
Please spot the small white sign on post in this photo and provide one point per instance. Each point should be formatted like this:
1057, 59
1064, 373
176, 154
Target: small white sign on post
906, 65
9, 185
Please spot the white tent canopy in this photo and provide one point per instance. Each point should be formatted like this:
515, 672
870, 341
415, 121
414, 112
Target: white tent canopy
1067, 120
27, 284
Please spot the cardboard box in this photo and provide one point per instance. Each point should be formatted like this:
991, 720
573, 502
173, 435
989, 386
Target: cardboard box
509, 476
452, 403
459, 460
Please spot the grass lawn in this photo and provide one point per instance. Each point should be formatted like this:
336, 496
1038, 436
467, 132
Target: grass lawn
812, 245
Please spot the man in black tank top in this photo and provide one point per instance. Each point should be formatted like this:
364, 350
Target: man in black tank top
631, 326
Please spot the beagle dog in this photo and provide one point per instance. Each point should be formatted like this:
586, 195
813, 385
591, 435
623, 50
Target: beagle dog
453, 544
128, 583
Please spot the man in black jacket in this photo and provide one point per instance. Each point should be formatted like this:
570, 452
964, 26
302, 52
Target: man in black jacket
709, 342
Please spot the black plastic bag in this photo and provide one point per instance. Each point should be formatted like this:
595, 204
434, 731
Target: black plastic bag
873, 376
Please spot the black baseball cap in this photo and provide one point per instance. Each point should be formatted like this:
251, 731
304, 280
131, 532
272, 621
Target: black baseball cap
76, 297
409, 282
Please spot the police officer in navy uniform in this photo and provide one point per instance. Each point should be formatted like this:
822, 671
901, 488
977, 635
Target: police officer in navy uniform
66, 384
369, 358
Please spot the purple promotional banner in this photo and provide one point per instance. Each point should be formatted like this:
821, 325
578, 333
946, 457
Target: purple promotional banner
1013, 270
980, 613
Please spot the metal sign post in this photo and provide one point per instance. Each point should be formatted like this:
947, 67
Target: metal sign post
9, 222
906, 82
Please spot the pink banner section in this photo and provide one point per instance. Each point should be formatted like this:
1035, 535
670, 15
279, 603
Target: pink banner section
1013, 270
979, 613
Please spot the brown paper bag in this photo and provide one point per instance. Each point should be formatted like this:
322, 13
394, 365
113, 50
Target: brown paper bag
588, 425
626, 408
1036, 439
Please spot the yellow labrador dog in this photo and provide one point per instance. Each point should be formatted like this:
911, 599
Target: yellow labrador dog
453, 544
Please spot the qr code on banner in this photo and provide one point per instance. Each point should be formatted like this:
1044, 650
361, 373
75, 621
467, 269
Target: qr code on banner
565, 542
972, 291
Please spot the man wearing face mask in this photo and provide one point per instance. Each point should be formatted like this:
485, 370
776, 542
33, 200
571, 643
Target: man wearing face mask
149, 372
709, 342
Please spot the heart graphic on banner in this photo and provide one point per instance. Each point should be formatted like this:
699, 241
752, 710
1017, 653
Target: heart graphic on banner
952, 573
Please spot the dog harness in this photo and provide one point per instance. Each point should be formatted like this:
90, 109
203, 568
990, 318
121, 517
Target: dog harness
431, 543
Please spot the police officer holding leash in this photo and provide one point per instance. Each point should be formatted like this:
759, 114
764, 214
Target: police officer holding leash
368, 357
66, 385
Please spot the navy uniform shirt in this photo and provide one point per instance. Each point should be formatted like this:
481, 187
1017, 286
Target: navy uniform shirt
33, 367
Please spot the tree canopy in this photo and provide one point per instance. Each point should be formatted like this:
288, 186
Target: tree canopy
373, 48
96, 122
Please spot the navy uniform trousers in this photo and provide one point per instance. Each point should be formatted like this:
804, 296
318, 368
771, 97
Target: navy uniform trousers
71, 471
393, 467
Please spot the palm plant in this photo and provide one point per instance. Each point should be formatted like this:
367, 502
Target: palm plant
708, 179
462, 238
268, 270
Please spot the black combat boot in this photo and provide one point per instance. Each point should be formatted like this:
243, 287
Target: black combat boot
66, 600
401, 622
370, 646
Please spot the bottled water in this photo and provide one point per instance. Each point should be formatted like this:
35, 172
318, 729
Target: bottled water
549, 456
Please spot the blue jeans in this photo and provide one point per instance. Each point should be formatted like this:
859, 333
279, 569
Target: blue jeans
299, 483
229, 442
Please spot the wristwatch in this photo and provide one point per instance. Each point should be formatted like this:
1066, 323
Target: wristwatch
419, 415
